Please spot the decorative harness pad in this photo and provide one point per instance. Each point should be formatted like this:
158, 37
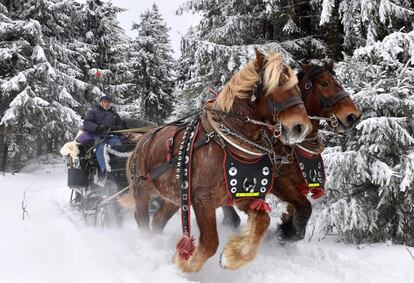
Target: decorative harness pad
251, 179
313, 172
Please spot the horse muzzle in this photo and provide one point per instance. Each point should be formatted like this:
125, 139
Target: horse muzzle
345, 123
295, 134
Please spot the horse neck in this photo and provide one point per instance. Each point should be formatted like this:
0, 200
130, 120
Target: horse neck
243, 109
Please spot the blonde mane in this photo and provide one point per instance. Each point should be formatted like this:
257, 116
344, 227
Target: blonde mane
244, 81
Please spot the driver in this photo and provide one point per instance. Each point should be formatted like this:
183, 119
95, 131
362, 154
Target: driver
98, 123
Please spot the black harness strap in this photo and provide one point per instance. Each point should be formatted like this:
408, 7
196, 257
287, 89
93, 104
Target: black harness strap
327, 103
276, 107
184, 173
165, 166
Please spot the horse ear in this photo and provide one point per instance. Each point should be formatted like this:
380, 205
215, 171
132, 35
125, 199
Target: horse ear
260, 58
297, 67
330, 65
304, 64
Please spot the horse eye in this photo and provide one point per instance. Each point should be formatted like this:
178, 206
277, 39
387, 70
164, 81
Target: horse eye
324, 84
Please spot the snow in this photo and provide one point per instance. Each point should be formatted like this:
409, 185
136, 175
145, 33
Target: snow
52, 244
327, 8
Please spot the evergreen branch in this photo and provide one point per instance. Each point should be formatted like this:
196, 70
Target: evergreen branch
407, 10
293, 5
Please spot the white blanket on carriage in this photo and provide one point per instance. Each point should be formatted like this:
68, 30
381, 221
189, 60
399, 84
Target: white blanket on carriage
71, 148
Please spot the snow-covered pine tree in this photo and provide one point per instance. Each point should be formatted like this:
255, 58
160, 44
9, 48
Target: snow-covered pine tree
40, 85
152, 65
101, 31
371, 173
365, 22
17, 41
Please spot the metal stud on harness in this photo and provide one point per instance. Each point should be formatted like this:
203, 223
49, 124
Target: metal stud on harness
186, 246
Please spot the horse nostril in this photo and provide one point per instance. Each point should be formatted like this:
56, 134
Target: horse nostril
298, 129
351, 119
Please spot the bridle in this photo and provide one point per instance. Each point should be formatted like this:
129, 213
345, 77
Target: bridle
275, 107
306, 85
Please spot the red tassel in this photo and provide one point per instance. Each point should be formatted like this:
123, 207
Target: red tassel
260, 205
303, 189
185, 247
317, 193
98, 73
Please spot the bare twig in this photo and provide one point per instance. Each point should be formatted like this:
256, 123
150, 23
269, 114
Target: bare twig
24, 206
411, 254
311, 234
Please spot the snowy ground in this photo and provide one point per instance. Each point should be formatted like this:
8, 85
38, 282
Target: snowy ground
52, 244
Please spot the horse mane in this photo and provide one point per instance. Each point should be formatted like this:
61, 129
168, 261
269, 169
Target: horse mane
245, 80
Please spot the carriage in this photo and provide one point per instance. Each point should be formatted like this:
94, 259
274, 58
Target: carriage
93, 192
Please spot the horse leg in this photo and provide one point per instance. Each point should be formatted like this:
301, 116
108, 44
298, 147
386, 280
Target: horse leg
241, 249
142, 195
208, 242
231, 218
162, 215
293, 226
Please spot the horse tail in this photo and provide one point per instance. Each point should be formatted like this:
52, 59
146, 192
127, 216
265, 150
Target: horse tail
128, 200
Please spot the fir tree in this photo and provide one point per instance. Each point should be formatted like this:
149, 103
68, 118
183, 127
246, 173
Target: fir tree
365, 22
107, 44
39, 70
371, 196
152, 64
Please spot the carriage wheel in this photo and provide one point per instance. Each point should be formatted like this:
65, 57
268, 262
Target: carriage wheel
108, 214
86, 206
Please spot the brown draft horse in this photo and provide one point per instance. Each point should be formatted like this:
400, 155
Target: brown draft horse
243, 97
323, 97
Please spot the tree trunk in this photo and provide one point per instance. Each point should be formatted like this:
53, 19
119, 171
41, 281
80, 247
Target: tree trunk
334, 35
4, 148
303, 13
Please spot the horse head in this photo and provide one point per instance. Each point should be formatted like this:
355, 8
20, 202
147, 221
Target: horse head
270, 88
325, 97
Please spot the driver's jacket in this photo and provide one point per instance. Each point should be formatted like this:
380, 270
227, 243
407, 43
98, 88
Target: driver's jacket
99, 116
